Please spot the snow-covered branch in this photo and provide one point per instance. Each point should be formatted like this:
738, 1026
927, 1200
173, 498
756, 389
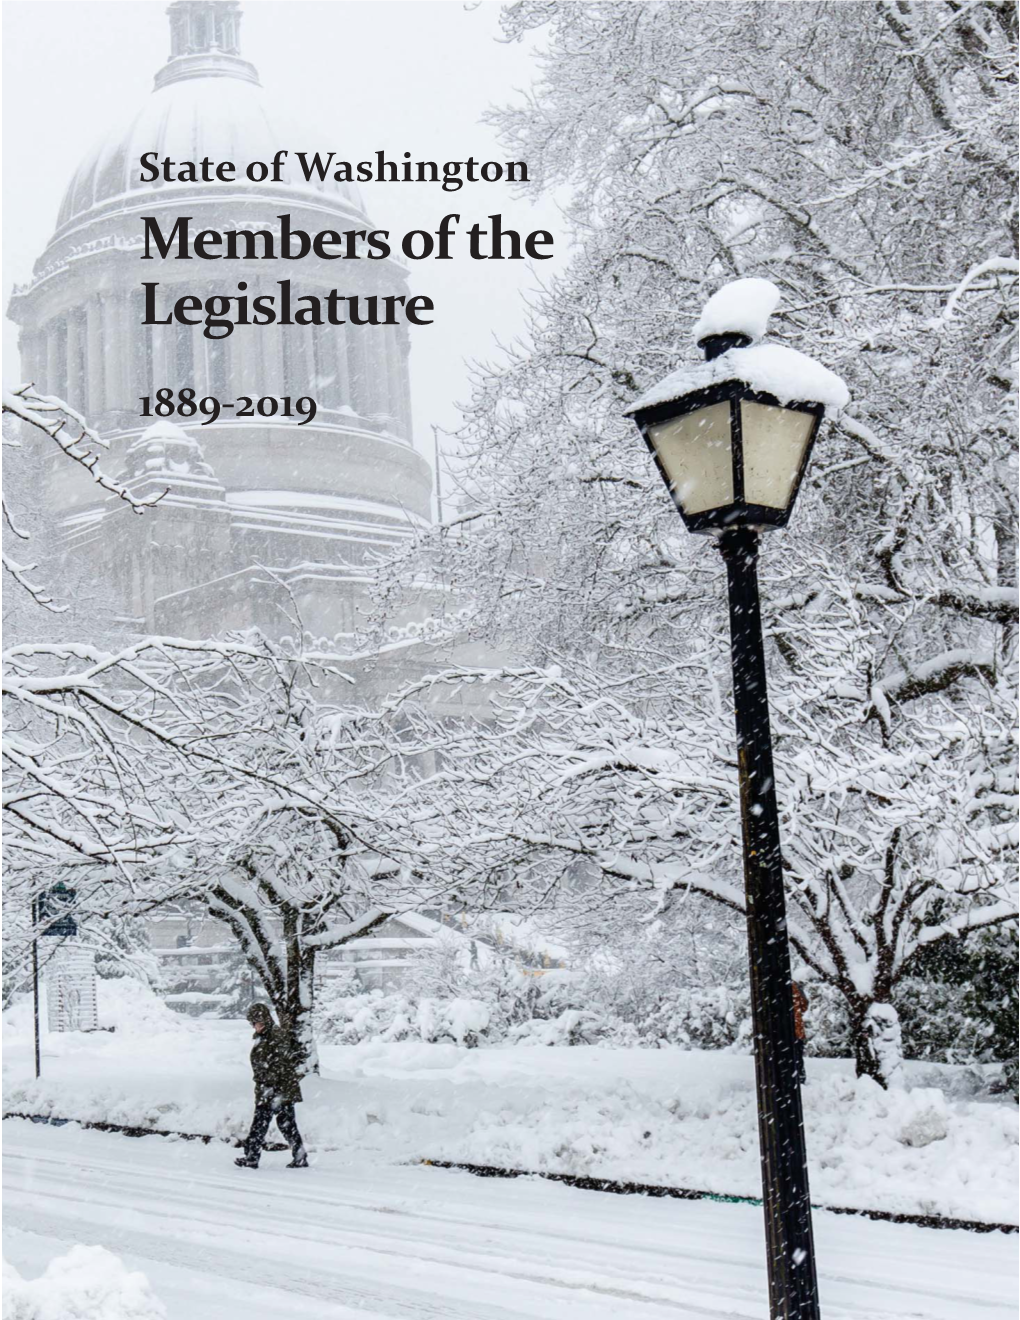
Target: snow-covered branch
60, 421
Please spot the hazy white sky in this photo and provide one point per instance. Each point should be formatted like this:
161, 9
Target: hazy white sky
357, 75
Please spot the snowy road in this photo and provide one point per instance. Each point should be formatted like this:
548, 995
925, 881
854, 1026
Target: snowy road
349, 1239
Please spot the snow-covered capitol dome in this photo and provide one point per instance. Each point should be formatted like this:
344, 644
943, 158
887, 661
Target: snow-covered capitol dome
207, 101
312, 504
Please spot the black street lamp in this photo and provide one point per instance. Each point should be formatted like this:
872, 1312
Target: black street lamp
731, 438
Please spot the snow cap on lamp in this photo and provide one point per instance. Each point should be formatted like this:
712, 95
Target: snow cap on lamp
739, 312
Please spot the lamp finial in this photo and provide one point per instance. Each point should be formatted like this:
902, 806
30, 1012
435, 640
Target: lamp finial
736, 316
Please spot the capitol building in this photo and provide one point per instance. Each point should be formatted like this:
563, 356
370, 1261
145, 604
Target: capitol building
264, 522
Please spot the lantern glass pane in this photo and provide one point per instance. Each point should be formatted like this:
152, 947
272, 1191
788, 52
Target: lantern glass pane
696, 452
775, 441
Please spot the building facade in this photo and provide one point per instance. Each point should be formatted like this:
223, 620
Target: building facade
264, 523
201, 967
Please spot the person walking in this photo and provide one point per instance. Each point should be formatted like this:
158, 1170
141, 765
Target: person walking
800, 1007
274, 1066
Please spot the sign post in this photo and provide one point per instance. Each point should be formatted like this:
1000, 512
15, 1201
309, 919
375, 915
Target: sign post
35, 985
51, 916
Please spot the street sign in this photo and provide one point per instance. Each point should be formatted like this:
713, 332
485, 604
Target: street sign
53, 907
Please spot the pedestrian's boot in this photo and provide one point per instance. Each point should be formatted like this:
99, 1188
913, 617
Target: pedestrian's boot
246, 1162
298, 1162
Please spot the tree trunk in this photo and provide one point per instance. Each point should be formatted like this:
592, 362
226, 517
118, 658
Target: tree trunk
875, 1038
293, 1003
301, 1003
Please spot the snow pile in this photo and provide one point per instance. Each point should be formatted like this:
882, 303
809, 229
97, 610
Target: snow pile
691, 1122
134, 1008
465, 1017
128, 1006
741, 307
499, 1002
89, 1283
923, 1116
787, 375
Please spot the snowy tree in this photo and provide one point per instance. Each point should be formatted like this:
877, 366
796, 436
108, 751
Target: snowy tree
175, 771
868, 177
298, 842
120, 762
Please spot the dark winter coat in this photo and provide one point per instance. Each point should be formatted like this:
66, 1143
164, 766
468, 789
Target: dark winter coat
275, 1067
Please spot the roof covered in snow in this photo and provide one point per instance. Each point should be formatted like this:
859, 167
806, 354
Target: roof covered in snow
773, 369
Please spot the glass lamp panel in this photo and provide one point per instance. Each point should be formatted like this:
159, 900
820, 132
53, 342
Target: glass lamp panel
696, 452
774, 441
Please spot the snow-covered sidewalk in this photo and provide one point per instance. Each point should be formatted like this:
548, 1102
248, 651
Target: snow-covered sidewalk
681, 1118
351, 1239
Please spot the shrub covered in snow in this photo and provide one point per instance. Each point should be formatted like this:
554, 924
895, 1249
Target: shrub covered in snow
684, 988
572, 1027
89, 1283
123, 948
503, 1004
345, 1018
960, 1004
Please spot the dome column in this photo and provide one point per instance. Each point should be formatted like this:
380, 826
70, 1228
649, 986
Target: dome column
379, 369
55, 357
304, 360
322, 377
299, 355
394, 363
75, 362
30, 346
356, 358
116, 338
292, 375
342, 389
178, 33
245, 375
272, 360
404, 345
95, 389
129, 365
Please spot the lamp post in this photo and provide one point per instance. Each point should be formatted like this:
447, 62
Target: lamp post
731, 438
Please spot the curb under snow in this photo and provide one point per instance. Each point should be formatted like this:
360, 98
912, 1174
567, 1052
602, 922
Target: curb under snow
580, 1181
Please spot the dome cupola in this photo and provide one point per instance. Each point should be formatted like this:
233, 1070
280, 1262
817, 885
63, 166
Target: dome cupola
205, 43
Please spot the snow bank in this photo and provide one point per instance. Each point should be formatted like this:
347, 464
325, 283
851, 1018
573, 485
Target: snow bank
128, 1006
89, 1283
669, 1116
787, 375
688, 1118
742, 306
133, 1007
